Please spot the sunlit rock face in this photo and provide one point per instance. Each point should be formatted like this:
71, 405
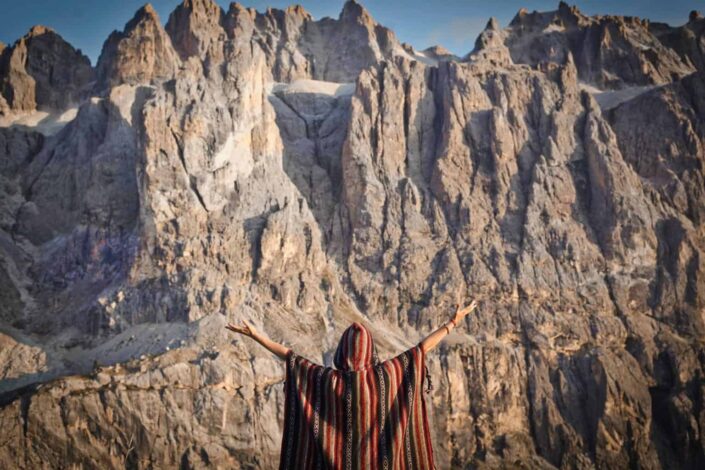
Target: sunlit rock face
303, 174
141, 53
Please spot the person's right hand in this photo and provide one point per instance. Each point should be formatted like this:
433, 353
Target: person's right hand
244, 329
461, 313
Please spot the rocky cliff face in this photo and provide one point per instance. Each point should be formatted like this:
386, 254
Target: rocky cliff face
42, 71
609, 51
237, 165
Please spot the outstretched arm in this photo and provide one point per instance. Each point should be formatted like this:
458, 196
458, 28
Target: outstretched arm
248, 330
432, 340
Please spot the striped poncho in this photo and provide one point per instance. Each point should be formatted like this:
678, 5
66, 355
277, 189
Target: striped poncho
364, 415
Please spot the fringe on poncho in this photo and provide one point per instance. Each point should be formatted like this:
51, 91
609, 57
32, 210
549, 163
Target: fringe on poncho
362, 415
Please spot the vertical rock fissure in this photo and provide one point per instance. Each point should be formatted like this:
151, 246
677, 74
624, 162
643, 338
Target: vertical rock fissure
192, 182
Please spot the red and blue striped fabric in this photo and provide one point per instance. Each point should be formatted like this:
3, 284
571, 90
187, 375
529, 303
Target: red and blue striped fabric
362, 415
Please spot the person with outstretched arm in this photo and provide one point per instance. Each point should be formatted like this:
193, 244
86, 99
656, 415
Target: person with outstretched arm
361, 412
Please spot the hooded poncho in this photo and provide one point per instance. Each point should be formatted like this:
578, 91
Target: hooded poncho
364, 415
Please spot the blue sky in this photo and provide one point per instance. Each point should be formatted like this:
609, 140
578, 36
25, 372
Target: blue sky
452, 23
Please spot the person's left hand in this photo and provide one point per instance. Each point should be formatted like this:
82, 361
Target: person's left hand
461, 313
244, 329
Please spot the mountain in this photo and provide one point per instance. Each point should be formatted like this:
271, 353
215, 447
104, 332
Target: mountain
42, 70
303, 174
609, 51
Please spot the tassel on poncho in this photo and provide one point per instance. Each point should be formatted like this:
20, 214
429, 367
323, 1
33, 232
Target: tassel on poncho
364, 415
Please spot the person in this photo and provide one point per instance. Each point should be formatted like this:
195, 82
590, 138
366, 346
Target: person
362, 414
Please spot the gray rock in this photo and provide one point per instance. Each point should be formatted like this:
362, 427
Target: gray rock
686, 40
42, 71
610, 51
142, 53
195, 29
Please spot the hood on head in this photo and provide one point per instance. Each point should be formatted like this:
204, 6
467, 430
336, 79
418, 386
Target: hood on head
356, 349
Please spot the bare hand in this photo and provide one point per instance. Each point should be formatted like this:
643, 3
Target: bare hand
461, 313
244, 329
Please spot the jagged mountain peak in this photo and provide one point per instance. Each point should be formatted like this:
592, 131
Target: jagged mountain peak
293, 10
438, 50
569, 11
141, 53
44, 33
238, 6
146, 13
490, 49
199, 6
686, 40
610, 51
355, 12
199, 10
38, 30
492, 25
563, 15
41, 70
293, 14
297, 10
195, 28
147, 9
